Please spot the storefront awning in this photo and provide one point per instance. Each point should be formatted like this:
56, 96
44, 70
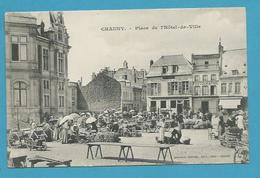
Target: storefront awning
229, 103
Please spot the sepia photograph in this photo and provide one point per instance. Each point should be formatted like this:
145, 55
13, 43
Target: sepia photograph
126, 87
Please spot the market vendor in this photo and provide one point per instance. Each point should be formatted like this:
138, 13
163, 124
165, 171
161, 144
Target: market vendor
115, 127
94, 127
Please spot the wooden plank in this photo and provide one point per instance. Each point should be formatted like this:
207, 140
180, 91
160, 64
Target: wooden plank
131, 144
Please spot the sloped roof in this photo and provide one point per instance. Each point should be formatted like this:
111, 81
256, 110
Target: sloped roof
235, 59
171, 60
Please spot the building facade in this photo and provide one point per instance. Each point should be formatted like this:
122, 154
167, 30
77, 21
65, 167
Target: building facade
169, 85
132, 87
36, 68
233, 80
205, 75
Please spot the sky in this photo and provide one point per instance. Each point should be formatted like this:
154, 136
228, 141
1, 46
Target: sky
93, 49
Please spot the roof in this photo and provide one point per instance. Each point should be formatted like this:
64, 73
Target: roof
171, 60
205, 56
185, 67
235, 59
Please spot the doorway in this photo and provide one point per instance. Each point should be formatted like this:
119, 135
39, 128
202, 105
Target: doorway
179, 108
204, 107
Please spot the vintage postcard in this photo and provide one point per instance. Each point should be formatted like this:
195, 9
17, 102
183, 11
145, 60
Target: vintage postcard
126, 87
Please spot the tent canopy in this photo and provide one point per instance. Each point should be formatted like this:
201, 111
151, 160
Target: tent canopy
230, 103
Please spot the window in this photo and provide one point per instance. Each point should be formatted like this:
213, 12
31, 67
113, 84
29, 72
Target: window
205, 78
206, 63
186, 103
15, 52
125, 77
23, 39
45, 57
155, 89
173, 104
46, 100
153, 106
173, 88
19, 48
213, 90
197, 78
185, 87
163, 104
46, 84
60, 35
23, 52
15, 39
205, 90
20, 94
237, 87
234, 72
213, 77
61, 62
196, 90
61, 86
164, 69
223, 88
61, 101
175, 68
230, 88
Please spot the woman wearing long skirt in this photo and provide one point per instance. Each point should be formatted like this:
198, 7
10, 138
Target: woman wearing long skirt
161, 131
64, 134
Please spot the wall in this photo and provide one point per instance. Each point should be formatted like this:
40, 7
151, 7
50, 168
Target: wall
102, 93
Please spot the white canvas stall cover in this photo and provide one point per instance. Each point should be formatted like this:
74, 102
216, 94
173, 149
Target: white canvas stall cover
230, 103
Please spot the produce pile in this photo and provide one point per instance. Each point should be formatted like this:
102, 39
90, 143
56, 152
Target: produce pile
231, 137
196, 124
99, 137
106, 137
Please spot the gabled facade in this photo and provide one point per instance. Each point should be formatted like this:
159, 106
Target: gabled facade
169, 84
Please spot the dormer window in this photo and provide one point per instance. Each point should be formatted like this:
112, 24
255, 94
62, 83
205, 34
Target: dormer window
164, 69
234, 72
175, 68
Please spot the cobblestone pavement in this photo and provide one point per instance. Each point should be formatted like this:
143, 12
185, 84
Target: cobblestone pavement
200, 151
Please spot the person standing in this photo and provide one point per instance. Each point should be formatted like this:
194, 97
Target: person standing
221, 126
64, 135
240, 120
161, 130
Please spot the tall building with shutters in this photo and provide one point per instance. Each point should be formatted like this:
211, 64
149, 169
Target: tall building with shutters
206, 73
36, 68
169, 85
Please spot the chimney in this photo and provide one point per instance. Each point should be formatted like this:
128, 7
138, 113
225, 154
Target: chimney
151, 63
93, 75
125, 64
80, 83
42, 28
220, 47
220, 51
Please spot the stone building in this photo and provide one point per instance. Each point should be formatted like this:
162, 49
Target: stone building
36, 68
132, 86
169, 84
206, 73
126, 87
233, 80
